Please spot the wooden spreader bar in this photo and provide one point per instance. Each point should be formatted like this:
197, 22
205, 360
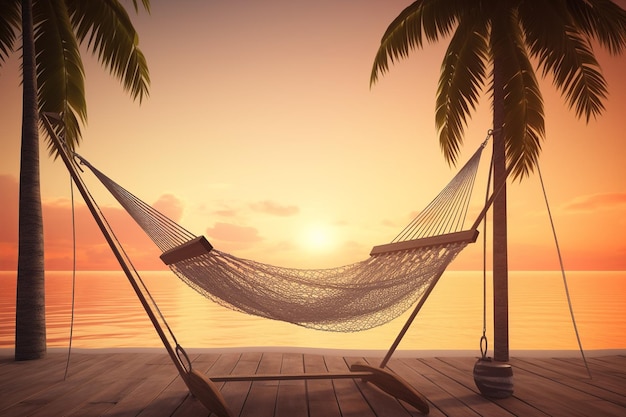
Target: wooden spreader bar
195, 247
468, 236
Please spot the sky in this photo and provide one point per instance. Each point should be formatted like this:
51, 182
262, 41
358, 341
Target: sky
262, 133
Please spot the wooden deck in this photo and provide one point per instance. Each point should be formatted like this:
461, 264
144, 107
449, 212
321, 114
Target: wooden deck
147, 384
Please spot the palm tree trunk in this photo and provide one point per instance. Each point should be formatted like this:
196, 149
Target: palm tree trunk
30, 319
500, 254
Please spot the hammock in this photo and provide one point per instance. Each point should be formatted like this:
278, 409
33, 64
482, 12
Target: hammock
349, 298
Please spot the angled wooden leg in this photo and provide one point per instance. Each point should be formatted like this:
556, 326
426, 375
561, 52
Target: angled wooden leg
205, 390
393, 385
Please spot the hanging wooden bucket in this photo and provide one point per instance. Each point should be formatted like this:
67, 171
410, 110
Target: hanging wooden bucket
493, 379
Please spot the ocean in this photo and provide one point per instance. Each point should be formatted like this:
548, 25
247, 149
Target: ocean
109, 315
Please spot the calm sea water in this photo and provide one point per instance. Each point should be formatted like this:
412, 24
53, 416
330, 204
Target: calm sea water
109, 315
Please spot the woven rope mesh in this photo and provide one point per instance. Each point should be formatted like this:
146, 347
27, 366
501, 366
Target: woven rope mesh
354, 297
350, 298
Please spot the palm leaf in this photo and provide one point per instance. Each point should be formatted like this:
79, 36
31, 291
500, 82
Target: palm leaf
564, 53
60, 74
110, 34
10, 22
524, 127
429, 18
601, 19
460, 83
579, 77
439, 18
403, 34
146, 5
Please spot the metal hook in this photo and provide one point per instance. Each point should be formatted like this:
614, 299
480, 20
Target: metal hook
484, 346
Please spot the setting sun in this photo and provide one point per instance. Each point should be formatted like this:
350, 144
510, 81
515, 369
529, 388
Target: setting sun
318, 237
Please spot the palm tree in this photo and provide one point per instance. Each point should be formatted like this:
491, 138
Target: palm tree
510, 38
53, 81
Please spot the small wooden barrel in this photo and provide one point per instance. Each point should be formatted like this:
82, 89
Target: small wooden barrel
493, 379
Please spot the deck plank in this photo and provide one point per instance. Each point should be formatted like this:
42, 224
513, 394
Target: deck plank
417, 380
291, 400
63, 395
111, 385
261, 400
349, 396
321, 394
11, 370
236, 393
554, 397
156, 377
148, 385
461, 371
454, 385
617, 362
383, 404
600, 370
16, 388
600, 386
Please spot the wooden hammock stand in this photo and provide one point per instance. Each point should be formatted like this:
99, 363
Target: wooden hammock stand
203, 387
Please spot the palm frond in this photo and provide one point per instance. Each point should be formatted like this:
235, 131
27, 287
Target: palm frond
524, 127
439, 18
60, 73
424, 18
110, 34
460, 83
564, 53
577, 74
403, 34
10, 22
146, 5
603, 20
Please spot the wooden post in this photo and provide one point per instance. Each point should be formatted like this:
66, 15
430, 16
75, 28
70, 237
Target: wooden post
500, 253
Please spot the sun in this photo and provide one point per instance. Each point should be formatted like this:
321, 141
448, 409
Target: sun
317, 237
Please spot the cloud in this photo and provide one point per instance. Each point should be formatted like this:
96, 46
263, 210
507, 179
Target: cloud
226, 212
388, 223
92, 251
170, 205
233, 233
595, 202
270, 207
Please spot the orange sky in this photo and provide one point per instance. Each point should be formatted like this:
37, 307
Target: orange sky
262, 133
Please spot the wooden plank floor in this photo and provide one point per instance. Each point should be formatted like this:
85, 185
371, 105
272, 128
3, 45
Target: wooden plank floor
147, 384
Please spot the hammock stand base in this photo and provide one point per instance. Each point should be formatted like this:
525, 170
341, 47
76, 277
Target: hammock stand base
386, 381
206, 392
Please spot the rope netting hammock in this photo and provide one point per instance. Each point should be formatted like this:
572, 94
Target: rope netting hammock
349, 298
